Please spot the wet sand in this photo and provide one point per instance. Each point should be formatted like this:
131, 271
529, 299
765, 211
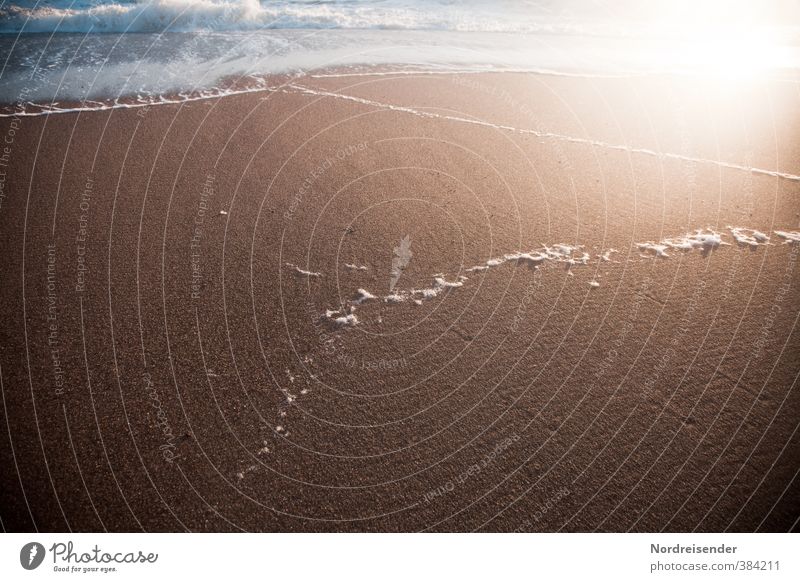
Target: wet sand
166, 362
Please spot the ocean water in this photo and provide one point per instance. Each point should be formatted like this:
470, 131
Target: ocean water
93, 51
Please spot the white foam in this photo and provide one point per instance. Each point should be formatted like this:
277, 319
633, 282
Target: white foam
563, 253
748, 236
362, 295
479, 70
303, 272
214, 93
395, 297
699, 240
543, 134
339, 319
659, 250
354, 267
789, 237
531, 258
705, 240
349, 319
37, 109
559, 253
440, 284
606, 256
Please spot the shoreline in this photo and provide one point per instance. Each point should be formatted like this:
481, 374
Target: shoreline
235, 85
284, 82
172, 357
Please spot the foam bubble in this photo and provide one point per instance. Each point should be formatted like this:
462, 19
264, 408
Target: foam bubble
339, 319
440, 284
606, 255
362, 295
704, 240
789, 237
563, 253
303, 272
659, 250
560, 253
395, 297
748, 236
532, 258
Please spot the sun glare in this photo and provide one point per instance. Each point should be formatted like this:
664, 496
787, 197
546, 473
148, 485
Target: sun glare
730, 56
731, 39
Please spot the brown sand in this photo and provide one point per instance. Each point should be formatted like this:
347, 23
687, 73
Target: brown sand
140, 397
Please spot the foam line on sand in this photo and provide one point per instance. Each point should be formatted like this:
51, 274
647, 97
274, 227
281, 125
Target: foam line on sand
543, 134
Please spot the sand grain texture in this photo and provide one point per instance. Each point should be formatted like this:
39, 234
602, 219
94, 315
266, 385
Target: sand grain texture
663, 399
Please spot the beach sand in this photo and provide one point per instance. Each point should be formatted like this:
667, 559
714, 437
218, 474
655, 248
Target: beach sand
167, 364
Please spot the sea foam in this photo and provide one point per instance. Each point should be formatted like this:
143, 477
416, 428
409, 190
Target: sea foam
789, 237
705, 240
571, 255
748, 236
